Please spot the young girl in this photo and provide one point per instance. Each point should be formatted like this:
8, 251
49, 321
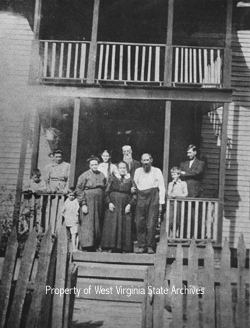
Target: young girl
106, 167
70, 211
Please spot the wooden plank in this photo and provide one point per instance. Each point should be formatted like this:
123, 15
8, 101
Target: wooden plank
76, 59
176, 282
53, 59
118, 271
35, 312
60, 280
7, 275
159, 277
68, 60
69, 298
149, 64
241, 312
113, 258
226, 314
93, 44
72, 296
61, 60
192, 299
169, 50
157, 64
106, 62
147, 309
208, 303
228, 52
83, 60
22, 282
35, 143
113, 62
77, 104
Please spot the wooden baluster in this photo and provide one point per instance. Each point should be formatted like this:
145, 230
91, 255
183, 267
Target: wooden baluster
167, 216
129, 64
76, 60
136, 63
182, 65
106, 62
203, 220
45, 63
83, 60
121, 62
47, 216
157, 64
196, 219
39, 210
113, 62
200, 66
68, 60
53, 64
149, 63
100, 62
182, 219
195, 65
61, 60
218, 66
205, 67
189, 219
209, 219
212, 66
186, 66
215, 220
176, 73
190, 66
175, 218
143, 62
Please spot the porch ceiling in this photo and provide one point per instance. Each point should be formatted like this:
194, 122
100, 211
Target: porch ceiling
139, 92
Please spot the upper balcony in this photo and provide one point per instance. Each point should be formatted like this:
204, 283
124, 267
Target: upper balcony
134, 43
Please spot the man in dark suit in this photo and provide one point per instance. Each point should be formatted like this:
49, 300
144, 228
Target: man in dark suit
192, 172
132, 163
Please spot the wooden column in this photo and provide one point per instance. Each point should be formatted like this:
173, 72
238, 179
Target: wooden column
74, 142
34, 58
222, 171
228, 51
36, 139
24, 143
166, 153
93, 44
169, 49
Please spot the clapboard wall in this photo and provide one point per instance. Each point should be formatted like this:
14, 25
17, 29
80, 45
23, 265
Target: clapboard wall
237, 189
15, 48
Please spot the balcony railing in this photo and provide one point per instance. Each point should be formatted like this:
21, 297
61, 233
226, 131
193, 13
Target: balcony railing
188, 218
64, 60
130, 63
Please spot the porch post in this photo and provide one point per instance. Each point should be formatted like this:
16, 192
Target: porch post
34, 58
74, 142
169, 49
36, 139
222, 171
228, 51
166, 152
93, 44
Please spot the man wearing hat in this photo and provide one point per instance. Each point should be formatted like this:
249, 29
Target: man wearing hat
57, 175
127, 158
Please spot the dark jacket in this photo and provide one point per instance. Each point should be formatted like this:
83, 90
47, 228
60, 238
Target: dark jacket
193, 176
134, 165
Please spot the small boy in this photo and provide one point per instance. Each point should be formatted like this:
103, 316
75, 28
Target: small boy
176, 188
31, 201
70, 211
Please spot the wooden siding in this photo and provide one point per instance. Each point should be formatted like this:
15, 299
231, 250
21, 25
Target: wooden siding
15, 45
237, 189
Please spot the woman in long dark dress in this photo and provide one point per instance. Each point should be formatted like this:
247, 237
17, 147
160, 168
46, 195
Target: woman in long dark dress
117, 234
90, 192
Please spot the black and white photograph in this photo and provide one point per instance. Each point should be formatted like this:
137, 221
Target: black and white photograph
124, 164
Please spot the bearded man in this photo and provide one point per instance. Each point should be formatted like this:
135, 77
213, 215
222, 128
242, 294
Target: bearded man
151, 191
127, 158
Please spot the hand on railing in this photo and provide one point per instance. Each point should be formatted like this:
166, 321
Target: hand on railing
85, 209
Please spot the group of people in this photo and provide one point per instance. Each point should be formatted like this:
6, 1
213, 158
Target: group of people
100, 211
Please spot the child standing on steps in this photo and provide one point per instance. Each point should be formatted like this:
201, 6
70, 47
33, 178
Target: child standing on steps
70, 211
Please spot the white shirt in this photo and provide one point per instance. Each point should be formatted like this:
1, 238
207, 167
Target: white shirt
191, 162
70, 210
152, 179
103, 167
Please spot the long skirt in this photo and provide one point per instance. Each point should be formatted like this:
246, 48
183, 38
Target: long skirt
117, 226
89, 224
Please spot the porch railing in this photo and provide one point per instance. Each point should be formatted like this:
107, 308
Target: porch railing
130, 63
192, 65
64, 60
188, 218
44, 210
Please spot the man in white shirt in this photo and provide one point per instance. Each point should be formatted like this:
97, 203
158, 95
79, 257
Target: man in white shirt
150, 188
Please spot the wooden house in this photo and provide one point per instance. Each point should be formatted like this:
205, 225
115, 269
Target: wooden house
97, 74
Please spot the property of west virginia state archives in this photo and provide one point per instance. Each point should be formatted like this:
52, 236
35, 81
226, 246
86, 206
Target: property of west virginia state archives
127, 291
